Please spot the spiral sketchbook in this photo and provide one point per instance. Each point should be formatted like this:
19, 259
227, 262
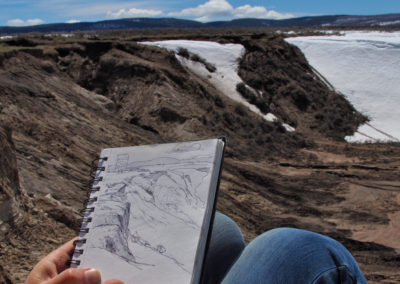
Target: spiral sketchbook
149, 212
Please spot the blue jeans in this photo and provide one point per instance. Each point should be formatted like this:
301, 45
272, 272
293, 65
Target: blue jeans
281, 255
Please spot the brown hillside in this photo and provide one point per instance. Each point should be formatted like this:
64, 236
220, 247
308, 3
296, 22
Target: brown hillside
65, 99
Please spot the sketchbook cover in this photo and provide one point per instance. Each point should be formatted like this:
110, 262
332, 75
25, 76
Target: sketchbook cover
153, 210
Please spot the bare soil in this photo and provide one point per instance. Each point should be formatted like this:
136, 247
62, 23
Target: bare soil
62, 100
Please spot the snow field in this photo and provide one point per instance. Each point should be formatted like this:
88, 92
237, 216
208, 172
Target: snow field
365, 68
225, 58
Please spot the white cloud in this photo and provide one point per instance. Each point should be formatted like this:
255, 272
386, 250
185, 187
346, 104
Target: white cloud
213, 9
73, 21
21, 23
133, 13
247, 11
222, 10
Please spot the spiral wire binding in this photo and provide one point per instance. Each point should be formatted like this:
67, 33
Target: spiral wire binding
89, 201
79, 241
73, 261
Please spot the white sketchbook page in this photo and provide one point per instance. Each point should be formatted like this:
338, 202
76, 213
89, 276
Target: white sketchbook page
150, 210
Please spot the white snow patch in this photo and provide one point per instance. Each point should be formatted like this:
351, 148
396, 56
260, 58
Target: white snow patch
5, 37
224, 57
389, 23
67, 35
270, 117
330, 32
326, 32
59, 35
365, 67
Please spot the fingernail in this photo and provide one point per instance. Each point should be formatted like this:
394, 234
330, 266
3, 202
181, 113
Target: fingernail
92, 276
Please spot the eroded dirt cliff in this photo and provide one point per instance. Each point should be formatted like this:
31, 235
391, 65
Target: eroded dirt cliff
62, 100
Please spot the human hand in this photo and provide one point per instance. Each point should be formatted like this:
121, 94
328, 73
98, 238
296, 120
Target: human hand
53, 270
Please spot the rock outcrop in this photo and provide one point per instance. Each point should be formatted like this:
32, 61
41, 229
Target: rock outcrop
13, 199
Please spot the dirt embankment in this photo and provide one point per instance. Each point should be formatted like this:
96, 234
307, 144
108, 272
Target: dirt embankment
28, 226
67, 99
291, 89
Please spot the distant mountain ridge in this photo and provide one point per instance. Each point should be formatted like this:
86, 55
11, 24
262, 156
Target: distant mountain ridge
143, 23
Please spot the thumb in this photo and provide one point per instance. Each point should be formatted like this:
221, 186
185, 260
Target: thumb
113, 281
77, 276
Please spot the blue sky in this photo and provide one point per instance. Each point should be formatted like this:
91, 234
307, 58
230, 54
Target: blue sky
30, 12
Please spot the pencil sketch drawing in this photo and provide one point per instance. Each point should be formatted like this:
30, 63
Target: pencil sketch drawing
150, 211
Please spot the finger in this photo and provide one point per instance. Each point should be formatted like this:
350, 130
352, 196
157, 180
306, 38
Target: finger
52, 264
77, 276
113, 281
61, 255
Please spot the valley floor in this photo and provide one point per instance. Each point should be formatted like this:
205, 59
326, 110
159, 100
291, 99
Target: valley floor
350, 192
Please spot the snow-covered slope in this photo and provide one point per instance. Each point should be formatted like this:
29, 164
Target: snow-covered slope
365, 67
225, 58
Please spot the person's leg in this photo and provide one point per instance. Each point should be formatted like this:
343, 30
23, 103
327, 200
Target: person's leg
294, 256
226, 244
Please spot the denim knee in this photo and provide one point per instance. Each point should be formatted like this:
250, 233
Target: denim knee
225, 230
288, 255
225, 246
